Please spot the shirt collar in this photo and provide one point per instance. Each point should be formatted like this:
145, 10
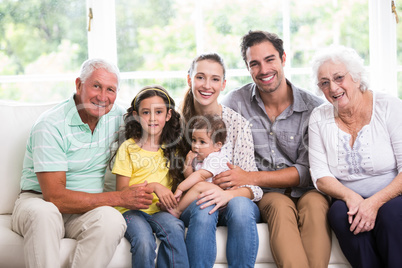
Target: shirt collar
299, 105
72, 116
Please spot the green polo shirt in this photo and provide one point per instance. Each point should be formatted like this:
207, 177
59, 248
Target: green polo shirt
60, 141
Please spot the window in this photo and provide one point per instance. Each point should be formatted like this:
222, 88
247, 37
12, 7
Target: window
154, 41
42, 45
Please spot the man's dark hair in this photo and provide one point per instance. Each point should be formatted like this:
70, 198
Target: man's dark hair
257, 37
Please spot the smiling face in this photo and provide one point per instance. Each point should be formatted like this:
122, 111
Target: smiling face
153, 115
201, 143
266, 66
343, 95
206, 82
96, 96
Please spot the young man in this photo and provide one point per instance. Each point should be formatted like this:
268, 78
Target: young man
279, 113
63, 175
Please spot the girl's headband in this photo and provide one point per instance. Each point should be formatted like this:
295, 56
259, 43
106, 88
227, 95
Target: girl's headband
152, 88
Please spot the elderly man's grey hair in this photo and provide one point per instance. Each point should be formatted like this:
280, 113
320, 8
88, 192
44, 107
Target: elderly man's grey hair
341, 55
90, 65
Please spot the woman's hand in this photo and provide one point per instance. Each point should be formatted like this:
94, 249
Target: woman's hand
364, 214
215, 196
165, 196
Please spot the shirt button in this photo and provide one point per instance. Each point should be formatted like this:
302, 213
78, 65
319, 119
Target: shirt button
271, 133
277, 166
291, 137
273, 151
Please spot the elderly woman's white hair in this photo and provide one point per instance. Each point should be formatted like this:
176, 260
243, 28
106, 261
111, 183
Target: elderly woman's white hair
90, 65
341, 54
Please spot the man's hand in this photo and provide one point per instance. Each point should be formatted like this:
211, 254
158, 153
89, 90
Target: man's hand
234, 177
137, 196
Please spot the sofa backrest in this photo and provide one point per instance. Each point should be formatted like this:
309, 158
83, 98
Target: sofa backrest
16, 120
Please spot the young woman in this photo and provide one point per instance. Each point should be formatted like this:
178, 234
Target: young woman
206, 79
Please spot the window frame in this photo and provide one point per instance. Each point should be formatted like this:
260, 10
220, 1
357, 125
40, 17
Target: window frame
102, 43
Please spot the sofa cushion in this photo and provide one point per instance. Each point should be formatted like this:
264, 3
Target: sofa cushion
17, 120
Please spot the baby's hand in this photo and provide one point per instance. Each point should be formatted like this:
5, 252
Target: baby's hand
190, 157
178, 194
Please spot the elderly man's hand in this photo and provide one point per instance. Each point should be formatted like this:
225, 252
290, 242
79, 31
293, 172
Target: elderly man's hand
137, 196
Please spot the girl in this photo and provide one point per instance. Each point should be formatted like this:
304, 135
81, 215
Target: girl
206, 79
153, 132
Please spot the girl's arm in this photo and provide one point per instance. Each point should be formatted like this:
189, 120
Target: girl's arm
164, 194
121, 182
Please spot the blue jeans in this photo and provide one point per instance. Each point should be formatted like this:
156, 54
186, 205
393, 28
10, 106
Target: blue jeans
240, 216
170, 231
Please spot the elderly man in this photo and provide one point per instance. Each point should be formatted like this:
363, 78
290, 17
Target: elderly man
279, 112
63, 176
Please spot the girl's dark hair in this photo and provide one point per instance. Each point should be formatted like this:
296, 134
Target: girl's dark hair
214, 125
171, 139
188, 109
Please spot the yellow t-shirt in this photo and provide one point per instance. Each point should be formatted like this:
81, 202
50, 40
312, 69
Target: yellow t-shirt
141, 165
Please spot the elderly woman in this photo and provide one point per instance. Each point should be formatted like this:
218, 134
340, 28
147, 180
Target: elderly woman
356, 158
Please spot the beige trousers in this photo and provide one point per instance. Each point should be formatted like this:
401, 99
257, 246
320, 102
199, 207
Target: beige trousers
98, 232
299, 232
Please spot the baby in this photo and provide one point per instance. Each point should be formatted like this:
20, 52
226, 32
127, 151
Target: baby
207, 158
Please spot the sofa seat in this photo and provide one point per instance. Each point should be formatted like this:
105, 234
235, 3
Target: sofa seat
11, 249
17, 119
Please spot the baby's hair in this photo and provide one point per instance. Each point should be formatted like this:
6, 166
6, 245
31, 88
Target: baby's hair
171, 140
214, 125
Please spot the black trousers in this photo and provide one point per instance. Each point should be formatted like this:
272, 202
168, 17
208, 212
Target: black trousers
378, 248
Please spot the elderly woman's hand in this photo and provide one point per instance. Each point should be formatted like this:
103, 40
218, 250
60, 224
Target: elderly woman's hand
363, 215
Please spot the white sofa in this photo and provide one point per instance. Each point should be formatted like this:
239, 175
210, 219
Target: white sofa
17, 120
